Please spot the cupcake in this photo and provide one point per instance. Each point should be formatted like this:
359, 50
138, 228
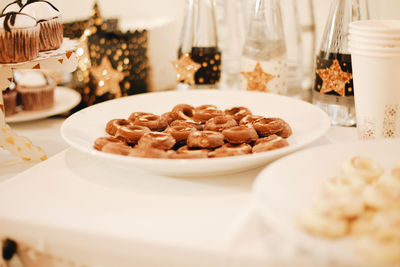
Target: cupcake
12, 7
50, 21
36, 91
10, 100
19, 38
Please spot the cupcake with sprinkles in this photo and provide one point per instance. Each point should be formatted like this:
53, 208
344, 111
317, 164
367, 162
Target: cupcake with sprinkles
50, 20
19, 37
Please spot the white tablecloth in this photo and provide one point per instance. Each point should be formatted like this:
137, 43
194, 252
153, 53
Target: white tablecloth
84, 209
44, 133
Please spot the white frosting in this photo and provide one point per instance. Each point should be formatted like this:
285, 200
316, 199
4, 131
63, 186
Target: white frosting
21, 21
40, 11
12, 8
33, 79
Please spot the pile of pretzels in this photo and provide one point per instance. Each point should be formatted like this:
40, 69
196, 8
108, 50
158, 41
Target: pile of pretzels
188, 132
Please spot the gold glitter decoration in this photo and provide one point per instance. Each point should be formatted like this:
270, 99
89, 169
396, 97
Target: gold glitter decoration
334, 79
107, 78
127, 54
257, 79
389, 121
185, 69
367, 129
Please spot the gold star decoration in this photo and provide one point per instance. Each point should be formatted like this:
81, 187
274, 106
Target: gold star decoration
257, 79
334, 79
107, 78
186, 68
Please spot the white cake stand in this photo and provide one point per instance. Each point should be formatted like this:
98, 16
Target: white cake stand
63, 59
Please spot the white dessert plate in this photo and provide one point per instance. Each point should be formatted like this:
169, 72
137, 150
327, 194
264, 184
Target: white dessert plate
64, 100
289, 185
308, 123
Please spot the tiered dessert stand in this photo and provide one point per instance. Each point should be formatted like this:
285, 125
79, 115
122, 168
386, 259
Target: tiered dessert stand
63, 59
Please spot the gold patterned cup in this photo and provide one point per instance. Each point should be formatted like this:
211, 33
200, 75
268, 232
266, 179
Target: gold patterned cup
376, 77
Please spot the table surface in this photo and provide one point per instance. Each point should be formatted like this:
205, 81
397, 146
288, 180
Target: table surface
84, 208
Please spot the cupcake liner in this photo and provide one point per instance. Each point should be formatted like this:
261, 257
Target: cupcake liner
37, 98
51, 34
19, 45
10, 102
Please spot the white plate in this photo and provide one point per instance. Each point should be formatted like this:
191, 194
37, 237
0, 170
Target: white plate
288, 186
64, 100
308, 123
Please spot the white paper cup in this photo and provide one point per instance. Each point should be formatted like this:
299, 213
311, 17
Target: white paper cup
375, 56
374, 42
383, 27
374, 36
376, 78
388, 48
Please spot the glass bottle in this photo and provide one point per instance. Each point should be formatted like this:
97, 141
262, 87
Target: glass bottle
294, 46
333, 85
199, 40
231, 34
307, 22
185, 45
264, 59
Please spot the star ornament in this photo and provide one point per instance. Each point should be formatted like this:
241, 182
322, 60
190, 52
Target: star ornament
334, 79
186, 68
257, 79
107, 78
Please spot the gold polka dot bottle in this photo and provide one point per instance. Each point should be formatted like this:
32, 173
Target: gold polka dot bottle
333, 86
210, 60
199, 40
264, 60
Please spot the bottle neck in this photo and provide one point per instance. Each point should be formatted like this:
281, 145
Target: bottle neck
259, 10
187, 29
342, 13
205, 34
265, 38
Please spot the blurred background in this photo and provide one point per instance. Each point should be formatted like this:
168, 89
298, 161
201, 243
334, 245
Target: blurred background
163, 21
139, 10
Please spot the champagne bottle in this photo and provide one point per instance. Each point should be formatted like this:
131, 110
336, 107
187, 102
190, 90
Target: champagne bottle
333, 87
199, 40
264, 60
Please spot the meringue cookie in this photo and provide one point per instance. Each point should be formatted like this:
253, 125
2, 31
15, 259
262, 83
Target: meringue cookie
386, 224
340, 205
362, 167
362, 224
379, 250
343, 185
391, 179
321, 225
380, 196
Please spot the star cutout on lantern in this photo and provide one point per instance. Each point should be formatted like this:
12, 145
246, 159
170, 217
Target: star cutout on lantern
186, 68
107, 78
334, 79
257, 79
